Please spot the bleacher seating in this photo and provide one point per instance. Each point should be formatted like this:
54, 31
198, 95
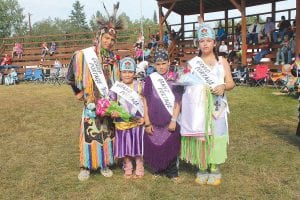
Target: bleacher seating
188, 51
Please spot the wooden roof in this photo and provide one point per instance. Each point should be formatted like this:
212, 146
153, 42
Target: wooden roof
191, 7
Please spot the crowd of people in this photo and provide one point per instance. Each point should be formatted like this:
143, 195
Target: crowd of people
10, 76
18, 52
265, 36
138, 120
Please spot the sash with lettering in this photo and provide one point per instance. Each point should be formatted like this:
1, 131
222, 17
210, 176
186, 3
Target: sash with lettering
129, 95
164, 91
96, 70
200, 69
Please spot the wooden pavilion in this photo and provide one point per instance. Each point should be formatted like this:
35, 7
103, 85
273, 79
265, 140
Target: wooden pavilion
192, 7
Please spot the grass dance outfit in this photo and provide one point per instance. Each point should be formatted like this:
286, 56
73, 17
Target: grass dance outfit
92, 71
96, 133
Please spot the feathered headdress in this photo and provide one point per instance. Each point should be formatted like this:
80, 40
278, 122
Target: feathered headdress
111, 23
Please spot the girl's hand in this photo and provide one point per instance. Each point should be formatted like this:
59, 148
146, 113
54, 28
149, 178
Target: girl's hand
115, 114
149, 129
219, 90
140, 121
172, 126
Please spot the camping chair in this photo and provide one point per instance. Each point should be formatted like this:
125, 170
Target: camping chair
260, 75
47, 74
280, 78
28, 75
290, 85
38, 75
240, 75
53, 77
291, 82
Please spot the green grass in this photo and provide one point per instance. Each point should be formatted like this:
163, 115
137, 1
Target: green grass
39, 153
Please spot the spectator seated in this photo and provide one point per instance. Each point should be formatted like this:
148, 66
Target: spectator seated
17, 50
221, 34
11, 78
254, 32
52, 49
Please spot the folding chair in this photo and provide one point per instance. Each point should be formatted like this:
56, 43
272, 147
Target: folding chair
260, 75
38, 75
279, 78
240, 75
28, 74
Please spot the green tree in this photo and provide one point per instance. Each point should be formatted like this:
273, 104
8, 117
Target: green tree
78, 18
93, 21
50, 27
155, 17
12, 19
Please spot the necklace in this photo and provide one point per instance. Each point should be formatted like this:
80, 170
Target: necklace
210, 63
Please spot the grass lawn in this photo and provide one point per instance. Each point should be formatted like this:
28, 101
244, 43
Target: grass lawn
39, 153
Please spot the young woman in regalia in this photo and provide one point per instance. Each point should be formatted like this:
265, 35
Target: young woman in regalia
92, 71
204, 125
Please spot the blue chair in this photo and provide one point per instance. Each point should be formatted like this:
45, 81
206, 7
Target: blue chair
38, 75
28, 75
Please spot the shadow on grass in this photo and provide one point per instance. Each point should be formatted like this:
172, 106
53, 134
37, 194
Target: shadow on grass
284, 133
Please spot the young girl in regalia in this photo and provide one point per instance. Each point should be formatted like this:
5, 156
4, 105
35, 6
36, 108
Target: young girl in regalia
162, 106
129, 134
204, 125
92, 71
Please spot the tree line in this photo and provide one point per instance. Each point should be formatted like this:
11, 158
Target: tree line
13, 21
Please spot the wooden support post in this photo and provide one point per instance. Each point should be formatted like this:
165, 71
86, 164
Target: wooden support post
202, 9
233, 39
182, 26
161, 27
226, 22
168, 12
168, 27
273, 10
194, 31
244, 33
298, 28
236, 4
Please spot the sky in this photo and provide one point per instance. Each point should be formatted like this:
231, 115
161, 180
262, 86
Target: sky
133, 8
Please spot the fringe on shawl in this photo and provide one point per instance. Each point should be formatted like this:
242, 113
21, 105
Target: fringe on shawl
195, 150
83, 77
94, 155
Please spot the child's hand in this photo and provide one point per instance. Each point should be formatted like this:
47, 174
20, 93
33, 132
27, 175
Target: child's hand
172, 126
149, 129
115, 114
219, 90
140, 121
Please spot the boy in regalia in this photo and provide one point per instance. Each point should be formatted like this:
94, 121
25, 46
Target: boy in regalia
92, 71
162, 106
